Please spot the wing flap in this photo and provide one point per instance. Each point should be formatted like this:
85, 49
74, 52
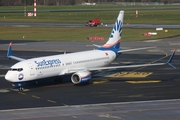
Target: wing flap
128, 50
127, 66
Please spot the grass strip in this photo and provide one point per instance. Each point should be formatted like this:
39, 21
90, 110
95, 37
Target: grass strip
108, 14
78, 34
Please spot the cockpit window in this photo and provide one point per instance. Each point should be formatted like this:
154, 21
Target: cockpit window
16, 69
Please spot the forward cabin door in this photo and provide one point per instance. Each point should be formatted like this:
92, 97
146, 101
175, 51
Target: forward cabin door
32, 69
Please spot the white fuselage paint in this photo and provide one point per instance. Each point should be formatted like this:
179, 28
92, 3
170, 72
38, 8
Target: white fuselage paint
49, 66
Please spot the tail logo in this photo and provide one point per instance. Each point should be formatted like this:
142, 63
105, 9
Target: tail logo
117, 28
113, 42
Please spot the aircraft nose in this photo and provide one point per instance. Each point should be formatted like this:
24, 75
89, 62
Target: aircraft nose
8, 77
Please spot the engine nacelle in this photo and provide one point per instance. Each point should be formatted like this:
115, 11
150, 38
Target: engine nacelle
81, 77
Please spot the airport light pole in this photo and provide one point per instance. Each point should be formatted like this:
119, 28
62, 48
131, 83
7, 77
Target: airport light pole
25, 8
35, 8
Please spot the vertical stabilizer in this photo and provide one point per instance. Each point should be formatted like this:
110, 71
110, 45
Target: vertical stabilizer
115, 36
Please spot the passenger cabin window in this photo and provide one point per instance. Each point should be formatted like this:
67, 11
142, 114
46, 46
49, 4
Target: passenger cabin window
16, 69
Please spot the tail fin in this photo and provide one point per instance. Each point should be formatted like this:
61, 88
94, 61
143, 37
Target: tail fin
115, 36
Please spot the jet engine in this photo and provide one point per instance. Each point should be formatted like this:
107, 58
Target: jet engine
81, 77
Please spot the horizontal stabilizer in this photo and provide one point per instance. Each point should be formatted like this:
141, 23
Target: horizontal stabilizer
98, 46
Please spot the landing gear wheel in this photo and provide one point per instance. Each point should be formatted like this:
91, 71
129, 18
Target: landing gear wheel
21, 88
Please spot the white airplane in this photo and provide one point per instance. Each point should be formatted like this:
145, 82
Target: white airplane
79, 64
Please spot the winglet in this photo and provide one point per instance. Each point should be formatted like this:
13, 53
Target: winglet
170, 59
9, 53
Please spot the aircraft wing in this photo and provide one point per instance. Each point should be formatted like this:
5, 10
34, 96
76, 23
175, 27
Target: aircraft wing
127, 66
128, 50
117, 67
9, 54
132, 66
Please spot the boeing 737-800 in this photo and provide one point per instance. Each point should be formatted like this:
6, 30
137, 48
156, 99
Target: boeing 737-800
79, 64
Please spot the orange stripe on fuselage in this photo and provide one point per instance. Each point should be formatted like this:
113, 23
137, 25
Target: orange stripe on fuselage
110, 45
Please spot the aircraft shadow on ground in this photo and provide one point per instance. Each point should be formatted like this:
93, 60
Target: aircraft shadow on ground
66, 80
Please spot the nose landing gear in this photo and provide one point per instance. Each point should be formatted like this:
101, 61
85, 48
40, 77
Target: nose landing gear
18, 86
21, 88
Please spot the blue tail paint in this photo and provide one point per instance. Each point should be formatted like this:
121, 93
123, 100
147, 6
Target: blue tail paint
113, 42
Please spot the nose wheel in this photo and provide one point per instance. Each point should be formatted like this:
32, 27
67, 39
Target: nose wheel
18, 86
21, 88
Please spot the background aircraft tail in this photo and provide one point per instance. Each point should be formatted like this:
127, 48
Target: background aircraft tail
115, 36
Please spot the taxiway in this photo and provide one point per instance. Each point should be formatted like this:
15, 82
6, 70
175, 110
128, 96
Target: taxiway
108, 89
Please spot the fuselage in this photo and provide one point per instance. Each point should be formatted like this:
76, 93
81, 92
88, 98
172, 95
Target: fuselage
56, 65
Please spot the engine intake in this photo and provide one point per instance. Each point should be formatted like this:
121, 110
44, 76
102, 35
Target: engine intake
81, 77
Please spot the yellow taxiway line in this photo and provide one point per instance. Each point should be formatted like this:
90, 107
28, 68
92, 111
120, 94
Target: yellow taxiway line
130, 75
143, 81
100, 81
